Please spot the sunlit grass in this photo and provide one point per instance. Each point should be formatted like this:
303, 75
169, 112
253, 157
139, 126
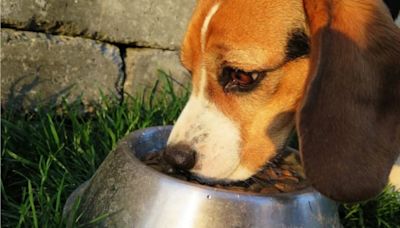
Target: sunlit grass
384, 211
46, 154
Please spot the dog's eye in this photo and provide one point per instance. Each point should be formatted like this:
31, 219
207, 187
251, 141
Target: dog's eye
239, 80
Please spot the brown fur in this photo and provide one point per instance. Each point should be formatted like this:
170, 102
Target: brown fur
234, 46
349, 122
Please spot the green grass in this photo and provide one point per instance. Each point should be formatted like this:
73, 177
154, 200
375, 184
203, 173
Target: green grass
46, 154
384, 211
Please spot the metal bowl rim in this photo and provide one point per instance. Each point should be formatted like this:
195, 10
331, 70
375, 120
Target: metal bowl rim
136, 134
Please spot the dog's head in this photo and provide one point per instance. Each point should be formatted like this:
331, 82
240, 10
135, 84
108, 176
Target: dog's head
261, 68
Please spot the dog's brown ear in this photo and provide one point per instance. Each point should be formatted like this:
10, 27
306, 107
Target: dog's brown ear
349, 119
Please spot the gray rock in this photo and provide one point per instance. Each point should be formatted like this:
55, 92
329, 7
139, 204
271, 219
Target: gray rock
150, 23
38, 68
143, 70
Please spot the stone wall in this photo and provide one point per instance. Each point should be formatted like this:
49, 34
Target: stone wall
77, 48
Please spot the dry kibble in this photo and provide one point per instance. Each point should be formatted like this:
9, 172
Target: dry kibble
286, 173
291, 179
255, 188
282, 175
269, 190
284, 166
281, 187
270, 173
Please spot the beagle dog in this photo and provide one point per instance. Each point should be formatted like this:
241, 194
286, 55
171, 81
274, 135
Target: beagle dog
260, 69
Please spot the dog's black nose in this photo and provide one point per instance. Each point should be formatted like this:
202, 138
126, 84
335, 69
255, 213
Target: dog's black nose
180, 156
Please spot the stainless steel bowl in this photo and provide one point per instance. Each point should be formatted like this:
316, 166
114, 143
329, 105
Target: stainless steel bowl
127, 193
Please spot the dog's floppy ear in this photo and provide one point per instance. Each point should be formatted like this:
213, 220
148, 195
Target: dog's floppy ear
349, 119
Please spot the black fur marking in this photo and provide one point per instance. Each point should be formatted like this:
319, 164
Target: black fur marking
298, 44
394, 7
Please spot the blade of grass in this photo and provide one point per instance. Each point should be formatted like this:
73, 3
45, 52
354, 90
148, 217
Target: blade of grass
32, 204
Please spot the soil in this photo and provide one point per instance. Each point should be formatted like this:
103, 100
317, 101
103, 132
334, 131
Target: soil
283, 174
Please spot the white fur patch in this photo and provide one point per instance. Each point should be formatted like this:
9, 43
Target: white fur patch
214, 137
206, 129
241, 173
206, 23
203, 41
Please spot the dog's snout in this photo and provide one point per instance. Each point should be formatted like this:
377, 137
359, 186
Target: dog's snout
180, 156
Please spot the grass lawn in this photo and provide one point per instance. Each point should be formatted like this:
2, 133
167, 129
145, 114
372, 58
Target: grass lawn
46, 154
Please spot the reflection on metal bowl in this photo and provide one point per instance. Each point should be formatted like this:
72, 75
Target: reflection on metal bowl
130, 194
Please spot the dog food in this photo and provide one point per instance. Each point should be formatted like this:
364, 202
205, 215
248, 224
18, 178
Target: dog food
282, 174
